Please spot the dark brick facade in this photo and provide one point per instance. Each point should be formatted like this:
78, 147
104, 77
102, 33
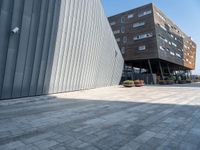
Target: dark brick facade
145, 33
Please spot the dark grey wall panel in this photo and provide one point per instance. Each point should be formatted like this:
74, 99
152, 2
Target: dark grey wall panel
12, 52
39, 47
5, 23
23, 44
46, 44
63, 45
31, 48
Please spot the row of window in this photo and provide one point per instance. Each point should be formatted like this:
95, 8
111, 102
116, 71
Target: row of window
159, 15
135, 25
123, 18
165, 29
166, 41
187, 60
140, 48
138, 37
171, 52
171, 27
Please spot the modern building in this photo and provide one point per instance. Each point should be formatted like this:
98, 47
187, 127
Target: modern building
148, 39
52, 46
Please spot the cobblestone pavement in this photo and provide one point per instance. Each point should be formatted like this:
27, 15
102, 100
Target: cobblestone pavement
113, 118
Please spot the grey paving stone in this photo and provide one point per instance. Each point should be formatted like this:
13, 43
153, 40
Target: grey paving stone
107, 118
144, 137
12, 145
44, 144
132, 145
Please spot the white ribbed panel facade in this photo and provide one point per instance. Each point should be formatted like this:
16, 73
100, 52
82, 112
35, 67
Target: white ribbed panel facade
61, 46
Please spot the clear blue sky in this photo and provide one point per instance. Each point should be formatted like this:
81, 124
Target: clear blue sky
185, 13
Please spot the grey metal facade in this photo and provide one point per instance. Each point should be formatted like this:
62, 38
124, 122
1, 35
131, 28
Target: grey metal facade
62, 45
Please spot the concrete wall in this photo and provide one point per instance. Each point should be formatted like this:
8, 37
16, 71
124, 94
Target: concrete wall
62, 45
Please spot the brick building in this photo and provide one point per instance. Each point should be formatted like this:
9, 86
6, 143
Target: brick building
148, 39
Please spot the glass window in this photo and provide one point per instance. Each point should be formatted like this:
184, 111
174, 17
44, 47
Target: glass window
162, 27
122, 19
116, 31
112, 23
172, 53
118, 39
178, 55
174, 44
138, 24
160, 16
143, 36
162, 48
122, 29
125, 39
145, 13
162, 38
130, 16
123, 50
141, 48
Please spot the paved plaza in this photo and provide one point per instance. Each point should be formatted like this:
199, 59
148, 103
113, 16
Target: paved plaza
111, 118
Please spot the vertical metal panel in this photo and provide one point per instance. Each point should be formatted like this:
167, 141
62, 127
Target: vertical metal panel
57, 46
80, 46
31, 47
52, 44
63, 51
12, 50
46, 44
63, 45
39, 47
5, 21
23, 44
74, 42
67, 49
71, 43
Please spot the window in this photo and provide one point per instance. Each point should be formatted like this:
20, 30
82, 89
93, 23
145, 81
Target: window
162, 38
118, 39
160, 16
185, 46
145, 13
123, 50
124, 39
162, 27
113, 23
141, 48
162, 48
122, 19
138, 24
174, 44
122, 29
172, 53
130, 16
178, 55
116, 31
143, 36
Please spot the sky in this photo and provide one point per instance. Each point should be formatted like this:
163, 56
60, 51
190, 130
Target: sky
184, 13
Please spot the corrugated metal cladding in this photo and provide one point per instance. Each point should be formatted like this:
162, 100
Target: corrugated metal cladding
62, 45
